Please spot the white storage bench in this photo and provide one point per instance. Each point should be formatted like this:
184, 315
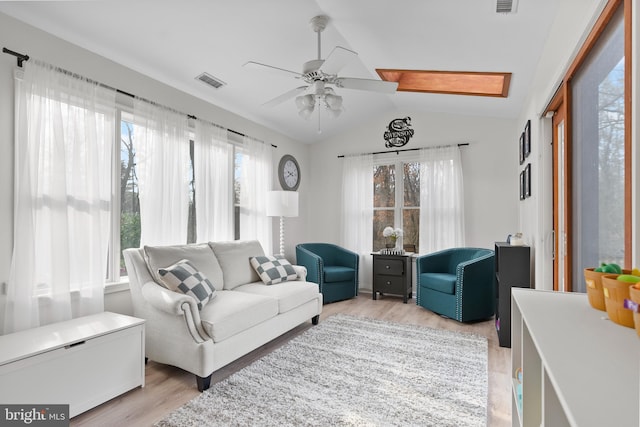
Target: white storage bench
82, 362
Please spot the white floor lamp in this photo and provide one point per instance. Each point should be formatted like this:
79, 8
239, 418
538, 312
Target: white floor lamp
282, 203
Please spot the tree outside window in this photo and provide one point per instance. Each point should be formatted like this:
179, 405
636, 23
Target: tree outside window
129, 201
396, 203
129, 194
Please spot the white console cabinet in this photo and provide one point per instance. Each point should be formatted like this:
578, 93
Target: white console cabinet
579, 368
82, 362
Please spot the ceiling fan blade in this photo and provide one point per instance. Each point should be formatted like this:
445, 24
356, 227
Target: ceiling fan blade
285, 96
367, 84
338, 58
258, 66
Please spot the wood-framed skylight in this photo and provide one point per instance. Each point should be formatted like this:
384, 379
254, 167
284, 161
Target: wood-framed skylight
449, 82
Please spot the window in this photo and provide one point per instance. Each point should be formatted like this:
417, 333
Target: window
237, 173
592, 153
396, 202
598, 156
129, 222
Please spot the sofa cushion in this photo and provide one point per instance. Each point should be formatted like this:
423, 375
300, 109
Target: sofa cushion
184, 277
200, 256
338, 273
441, 282
272, 269
232, 312
289, 294
234, 261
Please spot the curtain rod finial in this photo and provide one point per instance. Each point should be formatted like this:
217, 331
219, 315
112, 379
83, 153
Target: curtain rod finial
19, 57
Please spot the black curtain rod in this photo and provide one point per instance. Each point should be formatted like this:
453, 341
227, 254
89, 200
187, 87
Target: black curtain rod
191, 116
407, 149
21, 58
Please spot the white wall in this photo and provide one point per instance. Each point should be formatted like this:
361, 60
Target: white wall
571, 26
489, 169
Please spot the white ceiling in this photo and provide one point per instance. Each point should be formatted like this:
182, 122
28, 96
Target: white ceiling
174, 41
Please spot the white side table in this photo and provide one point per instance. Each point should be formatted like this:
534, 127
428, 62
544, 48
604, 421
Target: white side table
82, 362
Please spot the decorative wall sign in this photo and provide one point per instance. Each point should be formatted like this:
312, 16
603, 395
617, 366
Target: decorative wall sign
527, 139
524, 151
398, 132
521, 145
527, 180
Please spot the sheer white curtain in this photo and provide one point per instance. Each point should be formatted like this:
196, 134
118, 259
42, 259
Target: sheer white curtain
162, 148
441, 199
64, 135
214, 183
255, 181
356, 225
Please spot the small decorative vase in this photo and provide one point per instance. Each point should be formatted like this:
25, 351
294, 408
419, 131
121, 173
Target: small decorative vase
391, 242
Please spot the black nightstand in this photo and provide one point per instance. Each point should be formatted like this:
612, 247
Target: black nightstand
392, 275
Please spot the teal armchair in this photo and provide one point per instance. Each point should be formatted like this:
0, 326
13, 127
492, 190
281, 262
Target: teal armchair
333, 268
457, 283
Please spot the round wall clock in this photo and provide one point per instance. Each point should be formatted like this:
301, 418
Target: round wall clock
289, 173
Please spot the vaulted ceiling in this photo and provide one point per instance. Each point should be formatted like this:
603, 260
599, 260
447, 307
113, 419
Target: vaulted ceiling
175, 41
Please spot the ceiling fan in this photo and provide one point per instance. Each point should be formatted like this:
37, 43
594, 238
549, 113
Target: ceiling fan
321, 76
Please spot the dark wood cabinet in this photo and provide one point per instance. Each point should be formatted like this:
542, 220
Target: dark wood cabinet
392, 275
512, 270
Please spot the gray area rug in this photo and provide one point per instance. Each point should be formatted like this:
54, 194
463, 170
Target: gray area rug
352, 371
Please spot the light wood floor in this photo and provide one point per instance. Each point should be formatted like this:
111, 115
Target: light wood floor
168, 388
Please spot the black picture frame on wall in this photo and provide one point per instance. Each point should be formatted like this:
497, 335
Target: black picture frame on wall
527, 180
527, 140
522, 185
521, 145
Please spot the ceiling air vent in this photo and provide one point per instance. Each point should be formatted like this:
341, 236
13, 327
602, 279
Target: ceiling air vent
210, 80
506, 6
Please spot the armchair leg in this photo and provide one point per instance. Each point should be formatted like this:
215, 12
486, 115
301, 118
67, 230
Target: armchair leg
203, 383
315, 319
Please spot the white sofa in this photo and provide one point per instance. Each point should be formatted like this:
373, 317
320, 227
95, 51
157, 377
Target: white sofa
244, 314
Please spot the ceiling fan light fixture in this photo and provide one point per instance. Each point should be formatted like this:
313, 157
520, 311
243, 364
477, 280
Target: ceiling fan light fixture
333, 102
306, 112
320, 75
305, 101
306, 104
334, 113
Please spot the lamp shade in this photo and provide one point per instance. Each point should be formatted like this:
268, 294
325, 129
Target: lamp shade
282, 203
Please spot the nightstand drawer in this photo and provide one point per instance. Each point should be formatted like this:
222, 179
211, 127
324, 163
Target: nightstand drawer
394, 267
390, 284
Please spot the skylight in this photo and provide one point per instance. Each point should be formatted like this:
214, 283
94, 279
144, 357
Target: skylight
449, 82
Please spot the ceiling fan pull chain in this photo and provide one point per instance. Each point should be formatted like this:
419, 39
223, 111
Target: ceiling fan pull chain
319, 128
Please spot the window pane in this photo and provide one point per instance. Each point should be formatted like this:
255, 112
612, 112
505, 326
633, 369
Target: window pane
191, 222
411, 228
598, 203
384, 186
129, 202
611, 165
381, 219
411, 184
237, 172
